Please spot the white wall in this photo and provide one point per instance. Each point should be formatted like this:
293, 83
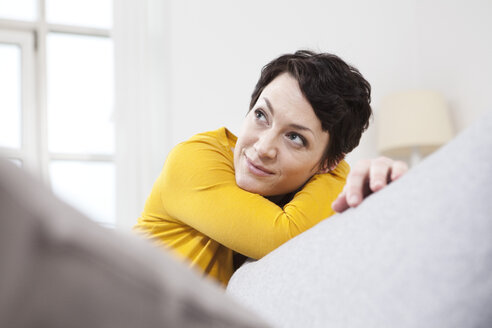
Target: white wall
455, 54
218, 47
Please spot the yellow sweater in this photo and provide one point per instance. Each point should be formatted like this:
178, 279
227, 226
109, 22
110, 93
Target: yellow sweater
196, 208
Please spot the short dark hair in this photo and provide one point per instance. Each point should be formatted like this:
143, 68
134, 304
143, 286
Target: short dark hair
338, 93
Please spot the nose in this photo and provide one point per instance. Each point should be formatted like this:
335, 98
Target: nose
266, 146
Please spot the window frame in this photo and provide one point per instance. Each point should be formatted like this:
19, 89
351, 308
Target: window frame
142, 95
32, 36
26, 153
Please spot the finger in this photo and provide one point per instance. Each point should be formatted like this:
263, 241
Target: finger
398, 169
357, 181
379, 173
340, 204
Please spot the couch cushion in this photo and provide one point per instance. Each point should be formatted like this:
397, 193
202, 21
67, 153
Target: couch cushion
59, 269
416, 254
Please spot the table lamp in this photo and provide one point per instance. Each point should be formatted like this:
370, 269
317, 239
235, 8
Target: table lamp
412, 124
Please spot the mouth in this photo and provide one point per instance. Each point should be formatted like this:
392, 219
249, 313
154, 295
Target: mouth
257, 169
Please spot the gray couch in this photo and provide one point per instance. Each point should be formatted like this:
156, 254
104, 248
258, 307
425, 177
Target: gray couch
416, 254
58, 269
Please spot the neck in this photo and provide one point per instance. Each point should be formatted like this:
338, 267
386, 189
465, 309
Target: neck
281, 200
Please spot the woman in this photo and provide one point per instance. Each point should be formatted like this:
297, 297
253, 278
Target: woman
219, 196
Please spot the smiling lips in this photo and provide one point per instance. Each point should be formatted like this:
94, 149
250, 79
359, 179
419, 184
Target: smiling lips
257, 169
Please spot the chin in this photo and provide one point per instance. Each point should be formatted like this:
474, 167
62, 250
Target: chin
251, 186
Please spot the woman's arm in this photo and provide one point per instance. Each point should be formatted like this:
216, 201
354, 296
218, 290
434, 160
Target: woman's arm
197, 187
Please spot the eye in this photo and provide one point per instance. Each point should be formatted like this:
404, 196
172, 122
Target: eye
297, 139
260, 115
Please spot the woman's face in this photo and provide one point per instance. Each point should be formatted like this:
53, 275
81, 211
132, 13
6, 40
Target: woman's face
281, 141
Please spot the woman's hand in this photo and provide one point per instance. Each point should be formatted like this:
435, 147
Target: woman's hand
368, 176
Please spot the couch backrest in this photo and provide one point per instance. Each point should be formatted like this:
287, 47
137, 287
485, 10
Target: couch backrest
416, 254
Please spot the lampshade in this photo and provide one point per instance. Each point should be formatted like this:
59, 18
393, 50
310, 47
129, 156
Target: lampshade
412, 121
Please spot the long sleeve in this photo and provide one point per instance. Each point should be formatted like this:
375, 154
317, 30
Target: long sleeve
197, 187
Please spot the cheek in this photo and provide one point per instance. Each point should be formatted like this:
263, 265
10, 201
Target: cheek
241, 144
299, 171
246, 138
298, 168
237, 154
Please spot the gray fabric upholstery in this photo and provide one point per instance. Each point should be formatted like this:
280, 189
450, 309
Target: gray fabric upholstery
416, 254
59, 269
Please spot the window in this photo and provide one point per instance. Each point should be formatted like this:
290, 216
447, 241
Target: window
56, 98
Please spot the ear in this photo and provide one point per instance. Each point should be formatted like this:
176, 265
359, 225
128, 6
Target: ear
324, 168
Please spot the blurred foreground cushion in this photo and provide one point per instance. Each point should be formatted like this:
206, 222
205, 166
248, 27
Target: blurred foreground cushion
59, 269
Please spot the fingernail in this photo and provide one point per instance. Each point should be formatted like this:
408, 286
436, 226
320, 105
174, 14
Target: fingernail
354, 199
377, 185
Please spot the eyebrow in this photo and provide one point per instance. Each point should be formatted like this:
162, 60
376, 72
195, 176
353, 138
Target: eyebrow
293, 125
